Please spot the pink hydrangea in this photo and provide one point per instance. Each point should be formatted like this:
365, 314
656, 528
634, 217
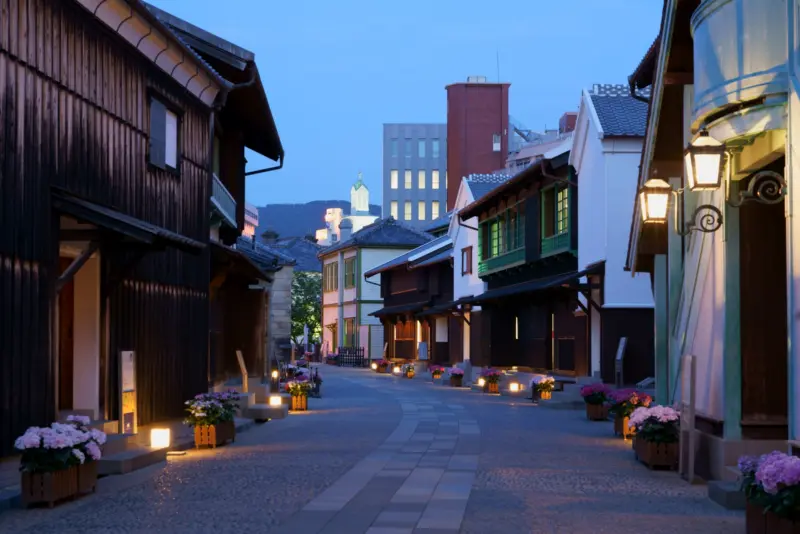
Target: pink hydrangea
94, 450
31, 439
79, 455
777, 471
98, 436
455, 371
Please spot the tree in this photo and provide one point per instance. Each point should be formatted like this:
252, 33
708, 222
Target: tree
306, 305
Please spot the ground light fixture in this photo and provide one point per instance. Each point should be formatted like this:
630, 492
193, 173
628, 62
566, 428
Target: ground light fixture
396, 370
160, 438
274, 375
275, 400
481, 382
514, 387
374, 366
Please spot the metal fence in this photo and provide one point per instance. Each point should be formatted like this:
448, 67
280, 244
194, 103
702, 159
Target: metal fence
351, 357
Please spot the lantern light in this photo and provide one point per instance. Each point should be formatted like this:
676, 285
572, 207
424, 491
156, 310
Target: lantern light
514, 387
654, 200
275, 400
374, 366
274, 375
396, 370
704, 160
160, 438
481, 382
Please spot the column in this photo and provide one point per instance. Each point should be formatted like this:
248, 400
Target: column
661, 319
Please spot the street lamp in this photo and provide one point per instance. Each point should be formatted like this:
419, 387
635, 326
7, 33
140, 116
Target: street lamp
654, 200
704, 160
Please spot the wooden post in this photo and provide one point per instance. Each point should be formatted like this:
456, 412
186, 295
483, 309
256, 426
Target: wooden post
243, 369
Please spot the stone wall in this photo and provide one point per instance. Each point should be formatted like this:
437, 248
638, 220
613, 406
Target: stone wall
280, 311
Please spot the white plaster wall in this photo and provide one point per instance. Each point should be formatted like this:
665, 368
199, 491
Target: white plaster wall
621, 168
329, 315
366, 309
86, 338
700, 329
371, 258
590, 166
471, 284
349, 310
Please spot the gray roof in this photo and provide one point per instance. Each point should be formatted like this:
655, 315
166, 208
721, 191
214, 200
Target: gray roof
303, 251
620, 114
265, 256
402, 259
481, 184
387, 232
440, 223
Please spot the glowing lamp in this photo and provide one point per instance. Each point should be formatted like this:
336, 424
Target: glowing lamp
274, 375
160, 438
654, 200
374, 366
396, 370
513, 387
275, 400
481, 382
704, 161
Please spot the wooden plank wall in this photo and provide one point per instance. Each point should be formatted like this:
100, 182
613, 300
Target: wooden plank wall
74, 113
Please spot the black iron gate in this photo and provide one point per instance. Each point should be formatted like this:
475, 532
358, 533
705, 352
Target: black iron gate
351, 357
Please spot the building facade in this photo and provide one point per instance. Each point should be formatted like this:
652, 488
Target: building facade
477, 130
414, 172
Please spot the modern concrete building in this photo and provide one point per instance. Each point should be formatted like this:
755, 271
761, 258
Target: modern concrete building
414, 172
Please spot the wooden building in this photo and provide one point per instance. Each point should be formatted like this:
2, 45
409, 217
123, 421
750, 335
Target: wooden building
107, 153
527, 254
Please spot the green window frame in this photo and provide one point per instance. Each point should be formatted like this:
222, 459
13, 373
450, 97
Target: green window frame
562, 211
503, 233
330, 278
349, 273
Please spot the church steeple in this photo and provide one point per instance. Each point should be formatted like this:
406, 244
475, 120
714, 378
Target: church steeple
359, 197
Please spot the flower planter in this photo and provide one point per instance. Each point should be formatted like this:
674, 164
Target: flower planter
456, 380
597, 412
758, 522
49, 488
656, 455
621, 427
436, 376
409, 374
382, 368
492, 387
299, 403
87, 477
214, 435
545, 395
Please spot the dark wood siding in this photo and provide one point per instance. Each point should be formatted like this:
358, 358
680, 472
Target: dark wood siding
74, 114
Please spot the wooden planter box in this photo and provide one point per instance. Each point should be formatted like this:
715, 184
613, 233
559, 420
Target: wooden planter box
299, 403
381, 369
456, 380
656, 455
87, 477
621, 427
214, 435
409, 374
597, 412
492, 387
49, 488
436, 376
757, 522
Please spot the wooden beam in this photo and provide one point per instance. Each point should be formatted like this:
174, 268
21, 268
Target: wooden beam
79, 235
678, 78
76, 265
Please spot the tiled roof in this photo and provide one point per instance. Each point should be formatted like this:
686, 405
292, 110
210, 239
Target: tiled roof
265, 256
387, 232
619, 113
436, 246
480, 184
303, 251
439, 223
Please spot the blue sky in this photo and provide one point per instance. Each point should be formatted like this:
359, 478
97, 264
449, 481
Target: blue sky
334, 72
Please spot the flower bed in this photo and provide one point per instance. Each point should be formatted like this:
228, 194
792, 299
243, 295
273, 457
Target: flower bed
622, 403
771, 484
542, 387
657, 431
53, 459
456, 377
491, 379
596, 396
212, 417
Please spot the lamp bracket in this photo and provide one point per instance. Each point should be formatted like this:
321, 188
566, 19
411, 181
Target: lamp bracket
706, 218
765, 187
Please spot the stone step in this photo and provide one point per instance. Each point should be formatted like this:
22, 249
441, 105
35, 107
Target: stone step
117, 443
134, 458
731, 473
265, 412
727, 494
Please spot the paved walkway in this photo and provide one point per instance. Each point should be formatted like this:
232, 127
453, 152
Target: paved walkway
385, 455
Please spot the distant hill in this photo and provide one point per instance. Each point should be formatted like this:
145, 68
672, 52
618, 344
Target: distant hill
298, 220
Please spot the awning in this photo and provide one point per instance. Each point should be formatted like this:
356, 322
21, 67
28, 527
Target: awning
237, 262
540, 284
400, 309
112, 220
444, 309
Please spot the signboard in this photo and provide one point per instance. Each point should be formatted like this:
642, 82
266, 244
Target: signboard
127, 382
243, 369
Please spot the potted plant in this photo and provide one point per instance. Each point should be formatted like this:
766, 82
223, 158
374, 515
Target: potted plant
91, 450
771, 484
436, 371
408, 370
657, 432
491, 379
622, 404
299, 390
383, 366
48, 462
212, 417
456, 377
596, 396
542, 387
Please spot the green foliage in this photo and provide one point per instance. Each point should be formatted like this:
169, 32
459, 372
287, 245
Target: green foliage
306, 305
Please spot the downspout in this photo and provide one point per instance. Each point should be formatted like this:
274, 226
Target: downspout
553, 177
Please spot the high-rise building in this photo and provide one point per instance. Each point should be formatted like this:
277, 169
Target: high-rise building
414, 172
477, 130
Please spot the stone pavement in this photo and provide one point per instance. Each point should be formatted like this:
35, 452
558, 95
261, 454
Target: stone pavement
385, 455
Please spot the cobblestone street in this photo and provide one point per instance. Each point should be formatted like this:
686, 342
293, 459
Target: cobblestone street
384, 455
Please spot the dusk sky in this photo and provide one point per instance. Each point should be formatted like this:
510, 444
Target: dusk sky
334, 72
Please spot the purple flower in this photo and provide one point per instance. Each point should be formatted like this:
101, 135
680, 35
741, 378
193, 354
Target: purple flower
748, 465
